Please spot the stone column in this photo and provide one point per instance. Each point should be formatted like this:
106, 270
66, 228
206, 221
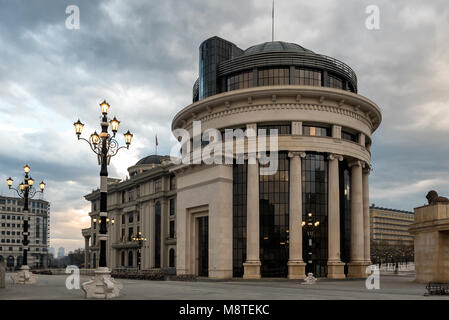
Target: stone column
164, 228
366, 218
296, 266
151, 235
335, 268
86, 252
252, 263
356, 268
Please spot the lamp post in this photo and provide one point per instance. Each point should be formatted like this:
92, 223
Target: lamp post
309, 226
105, 147
25, 191
139, 239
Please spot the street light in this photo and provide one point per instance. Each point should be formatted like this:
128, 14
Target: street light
310, 226
139, 239
105, 147
25, 191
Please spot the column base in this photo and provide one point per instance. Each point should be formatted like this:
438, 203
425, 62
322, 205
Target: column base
24, 276
296, 269
336, 270
102, 285
251, 270
357, 269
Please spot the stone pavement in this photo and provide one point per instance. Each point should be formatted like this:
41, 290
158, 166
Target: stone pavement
391, 287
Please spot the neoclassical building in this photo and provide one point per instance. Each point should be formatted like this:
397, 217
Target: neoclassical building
232, 221
145, 203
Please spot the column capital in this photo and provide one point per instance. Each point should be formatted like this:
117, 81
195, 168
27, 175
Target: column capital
297, 154
357, 163
367, 168
333, 156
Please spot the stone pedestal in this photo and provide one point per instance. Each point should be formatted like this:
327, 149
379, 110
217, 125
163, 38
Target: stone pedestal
336, 270
102, 285
24, 276
431, 237
296, 269
357, 270
251, 270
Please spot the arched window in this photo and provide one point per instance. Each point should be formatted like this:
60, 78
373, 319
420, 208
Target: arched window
10, 262
1, 258
157, 235
130, 259
171, 259
123, 258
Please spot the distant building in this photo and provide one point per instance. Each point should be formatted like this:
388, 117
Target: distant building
11, 228
390, 226
61, 252
52, 251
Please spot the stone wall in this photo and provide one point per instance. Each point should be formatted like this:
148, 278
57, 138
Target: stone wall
431, 238
2, 274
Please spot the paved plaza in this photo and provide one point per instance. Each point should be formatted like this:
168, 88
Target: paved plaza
391, 287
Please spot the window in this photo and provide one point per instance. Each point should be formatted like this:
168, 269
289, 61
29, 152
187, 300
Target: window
307, 77
315, 131
131, 217
158, 185
172, 229
274, 219
123, 219
240, 80
130, 233
172, 183
335, 82
138, 216
314, 200
274, 76
172, 207
171, 258
123, 196
281, 128
348, 136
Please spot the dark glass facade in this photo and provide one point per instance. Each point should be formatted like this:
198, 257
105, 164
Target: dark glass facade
308, 77
157, 235
225, 67
212, 52
314, 200
274, 220
239, 193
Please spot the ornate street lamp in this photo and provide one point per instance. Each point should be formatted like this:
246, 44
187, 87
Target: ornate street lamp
25, 191
310, 226
139, 239
105, 147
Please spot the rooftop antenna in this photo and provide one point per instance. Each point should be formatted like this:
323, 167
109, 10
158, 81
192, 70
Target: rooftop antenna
272, 22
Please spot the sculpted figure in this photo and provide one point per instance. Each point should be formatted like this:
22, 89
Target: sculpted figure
433, 198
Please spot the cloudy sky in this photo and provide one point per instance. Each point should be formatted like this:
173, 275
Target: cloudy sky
142, 57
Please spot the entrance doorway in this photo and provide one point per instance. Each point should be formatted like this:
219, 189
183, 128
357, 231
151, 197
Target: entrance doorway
203, 246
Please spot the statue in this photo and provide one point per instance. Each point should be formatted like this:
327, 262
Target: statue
433, 198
